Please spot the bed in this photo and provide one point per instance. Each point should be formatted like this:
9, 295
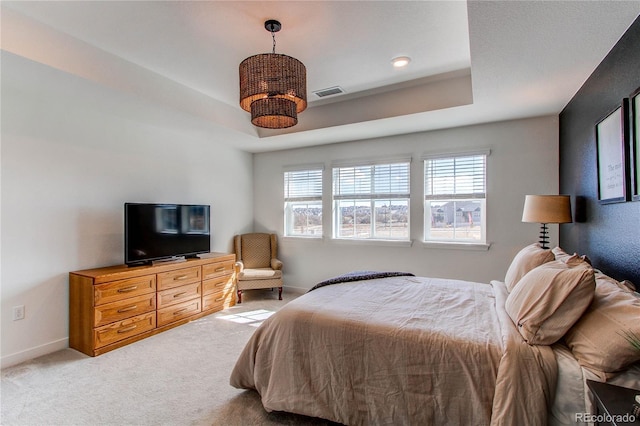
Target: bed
402, 349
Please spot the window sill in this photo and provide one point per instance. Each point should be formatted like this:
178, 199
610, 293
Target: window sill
392, 243
455, 246
290, 238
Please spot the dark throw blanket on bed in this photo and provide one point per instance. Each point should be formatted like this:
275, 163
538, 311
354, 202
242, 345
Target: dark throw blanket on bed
360, 276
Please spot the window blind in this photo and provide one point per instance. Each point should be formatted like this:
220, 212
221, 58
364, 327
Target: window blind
458, 177
303, 185
378, 181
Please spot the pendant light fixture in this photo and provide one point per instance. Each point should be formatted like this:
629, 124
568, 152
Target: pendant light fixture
273, 87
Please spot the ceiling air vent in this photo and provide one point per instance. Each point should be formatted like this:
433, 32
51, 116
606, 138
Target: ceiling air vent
336, 90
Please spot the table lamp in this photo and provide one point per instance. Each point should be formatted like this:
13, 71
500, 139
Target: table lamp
545, 209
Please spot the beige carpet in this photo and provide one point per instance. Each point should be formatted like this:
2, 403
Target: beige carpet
179, 377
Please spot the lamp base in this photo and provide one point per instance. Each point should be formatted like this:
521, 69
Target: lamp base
544, 236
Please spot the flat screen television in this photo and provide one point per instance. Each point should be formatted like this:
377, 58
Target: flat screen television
165, 231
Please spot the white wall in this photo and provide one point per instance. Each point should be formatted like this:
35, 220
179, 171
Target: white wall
523, 160
72, 153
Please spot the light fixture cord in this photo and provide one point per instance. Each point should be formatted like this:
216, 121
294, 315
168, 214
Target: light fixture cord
273, 36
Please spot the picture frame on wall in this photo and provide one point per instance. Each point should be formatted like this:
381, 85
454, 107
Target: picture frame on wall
611, 142
634, 140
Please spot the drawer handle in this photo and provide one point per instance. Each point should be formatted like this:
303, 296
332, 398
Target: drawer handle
179, 294
181, 277
127, 289
128, 329
180, 311
220, 269
127, 309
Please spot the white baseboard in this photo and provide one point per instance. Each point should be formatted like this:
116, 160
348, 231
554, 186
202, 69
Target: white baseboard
29, 354
297, 290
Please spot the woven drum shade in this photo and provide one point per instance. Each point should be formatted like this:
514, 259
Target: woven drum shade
274, 113
273, 88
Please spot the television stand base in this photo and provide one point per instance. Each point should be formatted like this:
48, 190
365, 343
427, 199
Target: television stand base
175, 259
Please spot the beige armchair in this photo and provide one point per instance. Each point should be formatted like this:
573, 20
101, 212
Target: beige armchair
256, 262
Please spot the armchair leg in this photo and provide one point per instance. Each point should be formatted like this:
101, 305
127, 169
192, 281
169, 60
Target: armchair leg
279, 293
239, 296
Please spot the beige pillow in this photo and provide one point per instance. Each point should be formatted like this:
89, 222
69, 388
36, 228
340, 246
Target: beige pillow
628, 285
527, 259
598, 339
581, 261
625, 285
549, 299
560, 254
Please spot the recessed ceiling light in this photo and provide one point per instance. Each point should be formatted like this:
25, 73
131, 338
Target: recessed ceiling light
400, 61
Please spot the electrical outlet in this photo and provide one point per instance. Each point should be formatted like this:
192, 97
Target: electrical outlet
18, 312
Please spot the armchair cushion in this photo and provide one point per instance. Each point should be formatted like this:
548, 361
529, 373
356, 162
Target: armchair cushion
256, 250
259, 274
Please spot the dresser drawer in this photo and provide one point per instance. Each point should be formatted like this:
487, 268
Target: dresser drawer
122, 289
178, 277
120, 330
219, 300
217, 284
218, 269
178, 294
177, 312
116, 311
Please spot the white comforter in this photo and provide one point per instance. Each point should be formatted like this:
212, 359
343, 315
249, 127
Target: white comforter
402, 350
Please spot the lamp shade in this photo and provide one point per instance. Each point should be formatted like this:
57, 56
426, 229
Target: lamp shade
273, 87
547, 209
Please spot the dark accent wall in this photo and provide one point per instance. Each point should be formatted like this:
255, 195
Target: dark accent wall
609, 234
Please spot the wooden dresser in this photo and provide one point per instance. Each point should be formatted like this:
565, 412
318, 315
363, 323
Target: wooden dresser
117, 305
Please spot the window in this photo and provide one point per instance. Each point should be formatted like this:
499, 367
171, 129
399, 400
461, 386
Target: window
303, 203
454, 198
371, 201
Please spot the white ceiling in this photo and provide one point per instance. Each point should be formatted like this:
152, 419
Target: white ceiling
471, 62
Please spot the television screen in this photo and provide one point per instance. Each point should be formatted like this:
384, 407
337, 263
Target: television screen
161, 231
